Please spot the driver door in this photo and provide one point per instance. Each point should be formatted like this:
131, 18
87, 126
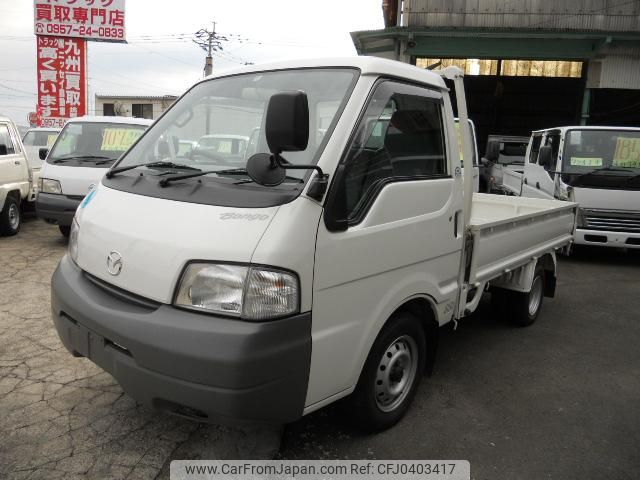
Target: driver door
539, 180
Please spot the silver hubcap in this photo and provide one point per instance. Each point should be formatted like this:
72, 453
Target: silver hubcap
14, 216
396, 373
535, 296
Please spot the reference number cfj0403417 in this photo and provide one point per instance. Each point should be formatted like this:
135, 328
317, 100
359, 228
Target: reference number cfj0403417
321, 469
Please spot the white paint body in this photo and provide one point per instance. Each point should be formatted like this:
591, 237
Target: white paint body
15, 174
618, 208
410, 243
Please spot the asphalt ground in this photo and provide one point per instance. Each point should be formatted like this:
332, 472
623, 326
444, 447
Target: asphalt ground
557, 400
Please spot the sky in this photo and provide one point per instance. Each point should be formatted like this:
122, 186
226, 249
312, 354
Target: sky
160, 58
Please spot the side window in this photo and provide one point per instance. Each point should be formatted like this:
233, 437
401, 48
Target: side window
535, 148
5, 139
554, 142
400, 137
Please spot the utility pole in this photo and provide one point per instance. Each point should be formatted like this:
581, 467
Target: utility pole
210, 41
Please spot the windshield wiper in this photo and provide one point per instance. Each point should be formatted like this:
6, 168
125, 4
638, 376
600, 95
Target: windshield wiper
66, 158
596, 170
181, 166
234, 171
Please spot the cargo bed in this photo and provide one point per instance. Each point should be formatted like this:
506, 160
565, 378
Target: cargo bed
508, 232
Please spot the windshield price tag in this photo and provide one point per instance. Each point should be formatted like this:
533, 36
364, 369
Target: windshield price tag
51, 139
586, 162
119, 139
627, 152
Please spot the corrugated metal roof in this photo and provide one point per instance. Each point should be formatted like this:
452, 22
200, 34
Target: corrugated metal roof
585, 15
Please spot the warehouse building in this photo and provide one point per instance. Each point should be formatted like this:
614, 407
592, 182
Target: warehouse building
529, 64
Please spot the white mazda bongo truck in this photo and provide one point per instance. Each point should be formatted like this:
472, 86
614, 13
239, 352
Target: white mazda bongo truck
317, 266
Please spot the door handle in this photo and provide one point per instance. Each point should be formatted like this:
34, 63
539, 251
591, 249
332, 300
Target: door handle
525, 181
538, 185
17, 162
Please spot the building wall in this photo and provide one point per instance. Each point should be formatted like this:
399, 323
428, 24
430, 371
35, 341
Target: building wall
583, 15
124, 106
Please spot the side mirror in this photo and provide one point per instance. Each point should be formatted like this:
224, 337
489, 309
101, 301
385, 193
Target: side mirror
287, 122
545, 157
493, 151
3, 149
43, 152
484, 161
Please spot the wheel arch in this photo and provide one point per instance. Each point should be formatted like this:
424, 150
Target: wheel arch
423, 308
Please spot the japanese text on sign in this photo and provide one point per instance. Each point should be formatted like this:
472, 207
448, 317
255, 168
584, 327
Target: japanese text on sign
62, 81
90, 19
119, 139
627, 152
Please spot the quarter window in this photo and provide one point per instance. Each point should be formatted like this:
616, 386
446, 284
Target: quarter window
400, 137
5, 139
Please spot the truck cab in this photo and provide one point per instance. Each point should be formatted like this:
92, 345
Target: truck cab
597, 167
15, 178
34, 139
504, 163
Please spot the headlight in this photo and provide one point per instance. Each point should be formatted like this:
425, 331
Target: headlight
253, 293
50, 186
73, 241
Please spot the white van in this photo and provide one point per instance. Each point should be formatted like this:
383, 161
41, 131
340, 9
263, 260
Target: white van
597, 167
82, 153
321, 268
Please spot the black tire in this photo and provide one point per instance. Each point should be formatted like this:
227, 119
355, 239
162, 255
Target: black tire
373, 406
520, 308
10, 217
65, 230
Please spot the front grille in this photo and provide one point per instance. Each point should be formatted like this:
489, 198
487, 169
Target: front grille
612, 221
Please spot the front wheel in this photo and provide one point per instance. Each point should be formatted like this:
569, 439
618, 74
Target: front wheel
390, 375
65, 230
10, 217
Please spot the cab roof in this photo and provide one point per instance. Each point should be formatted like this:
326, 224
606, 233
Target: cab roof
366, 65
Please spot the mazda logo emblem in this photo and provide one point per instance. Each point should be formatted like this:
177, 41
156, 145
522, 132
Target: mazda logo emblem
114, 263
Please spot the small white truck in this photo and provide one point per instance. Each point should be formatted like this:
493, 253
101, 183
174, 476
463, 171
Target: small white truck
504, 163
597, 167
16, 180
320, 269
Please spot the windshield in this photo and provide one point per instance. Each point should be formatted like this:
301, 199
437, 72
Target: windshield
92, 142
602, 158
219, 123
40, 138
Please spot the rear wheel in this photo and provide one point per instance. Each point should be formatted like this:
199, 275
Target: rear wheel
65, 230
390, 375
521, 308
10, 217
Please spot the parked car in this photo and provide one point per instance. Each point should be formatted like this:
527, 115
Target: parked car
34, 139
15, 178
82, 153
598, 167
504, 163
314, 271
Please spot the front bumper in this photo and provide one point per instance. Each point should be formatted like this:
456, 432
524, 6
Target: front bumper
605, 238
199, 366
58, 209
